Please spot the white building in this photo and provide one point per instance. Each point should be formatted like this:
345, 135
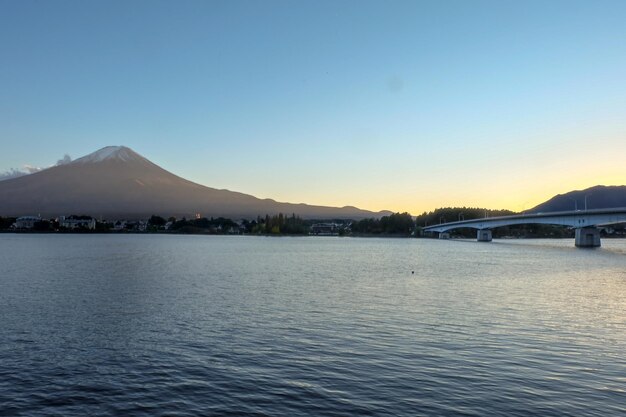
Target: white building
75, 222
325, 229
25, 222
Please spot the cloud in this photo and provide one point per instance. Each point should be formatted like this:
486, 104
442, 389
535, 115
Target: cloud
16, 173
29, 169
66, 160
12, 173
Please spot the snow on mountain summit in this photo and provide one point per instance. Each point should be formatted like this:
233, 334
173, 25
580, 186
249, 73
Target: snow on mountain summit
118, 153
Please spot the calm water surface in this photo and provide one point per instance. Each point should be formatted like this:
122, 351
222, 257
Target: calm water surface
160, 325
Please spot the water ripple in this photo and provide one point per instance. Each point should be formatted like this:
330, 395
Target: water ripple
188, 326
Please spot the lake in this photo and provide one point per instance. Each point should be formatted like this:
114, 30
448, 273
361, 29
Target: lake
156, 325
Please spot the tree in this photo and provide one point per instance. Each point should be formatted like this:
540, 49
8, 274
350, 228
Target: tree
6, 222
156, 221
41, 226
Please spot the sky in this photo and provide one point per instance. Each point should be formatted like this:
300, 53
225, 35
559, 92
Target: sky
396, 105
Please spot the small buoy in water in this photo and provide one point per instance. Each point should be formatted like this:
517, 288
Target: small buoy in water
412, 272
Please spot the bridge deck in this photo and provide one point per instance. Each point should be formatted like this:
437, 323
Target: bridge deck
574, 219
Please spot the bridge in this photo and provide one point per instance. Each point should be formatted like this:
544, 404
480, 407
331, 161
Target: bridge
585, 222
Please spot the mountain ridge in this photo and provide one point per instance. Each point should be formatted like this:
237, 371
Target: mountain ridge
118, 183
597, 197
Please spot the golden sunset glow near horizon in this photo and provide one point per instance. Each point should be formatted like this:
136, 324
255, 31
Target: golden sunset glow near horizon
498, 105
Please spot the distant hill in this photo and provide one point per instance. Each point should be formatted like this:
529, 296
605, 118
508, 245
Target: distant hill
118, 183
598, 197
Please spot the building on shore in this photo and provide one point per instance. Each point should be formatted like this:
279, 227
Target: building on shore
77, 222
325, 229
26, 222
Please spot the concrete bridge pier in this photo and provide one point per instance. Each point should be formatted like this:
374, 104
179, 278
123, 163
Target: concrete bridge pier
444, 235
587, 237
483, 235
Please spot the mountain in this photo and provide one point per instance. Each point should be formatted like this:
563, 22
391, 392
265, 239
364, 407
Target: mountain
118, 183
598, 197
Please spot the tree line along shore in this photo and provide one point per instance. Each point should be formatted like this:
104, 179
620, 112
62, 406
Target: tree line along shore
398, 224
394, 225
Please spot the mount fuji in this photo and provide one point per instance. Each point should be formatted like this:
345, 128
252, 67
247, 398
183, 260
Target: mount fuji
115, 182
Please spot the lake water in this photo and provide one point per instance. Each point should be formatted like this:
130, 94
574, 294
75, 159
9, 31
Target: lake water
156, 325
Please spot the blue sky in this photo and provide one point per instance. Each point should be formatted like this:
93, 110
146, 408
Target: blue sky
383, 105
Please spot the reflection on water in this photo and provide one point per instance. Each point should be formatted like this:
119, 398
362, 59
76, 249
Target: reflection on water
205, 325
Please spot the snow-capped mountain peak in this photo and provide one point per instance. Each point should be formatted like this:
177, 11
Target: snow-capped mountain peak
108, 153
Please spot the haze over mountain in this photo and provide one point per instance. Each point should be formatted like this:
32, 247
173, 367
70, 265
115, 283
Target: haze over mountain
598, 197
116, 182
